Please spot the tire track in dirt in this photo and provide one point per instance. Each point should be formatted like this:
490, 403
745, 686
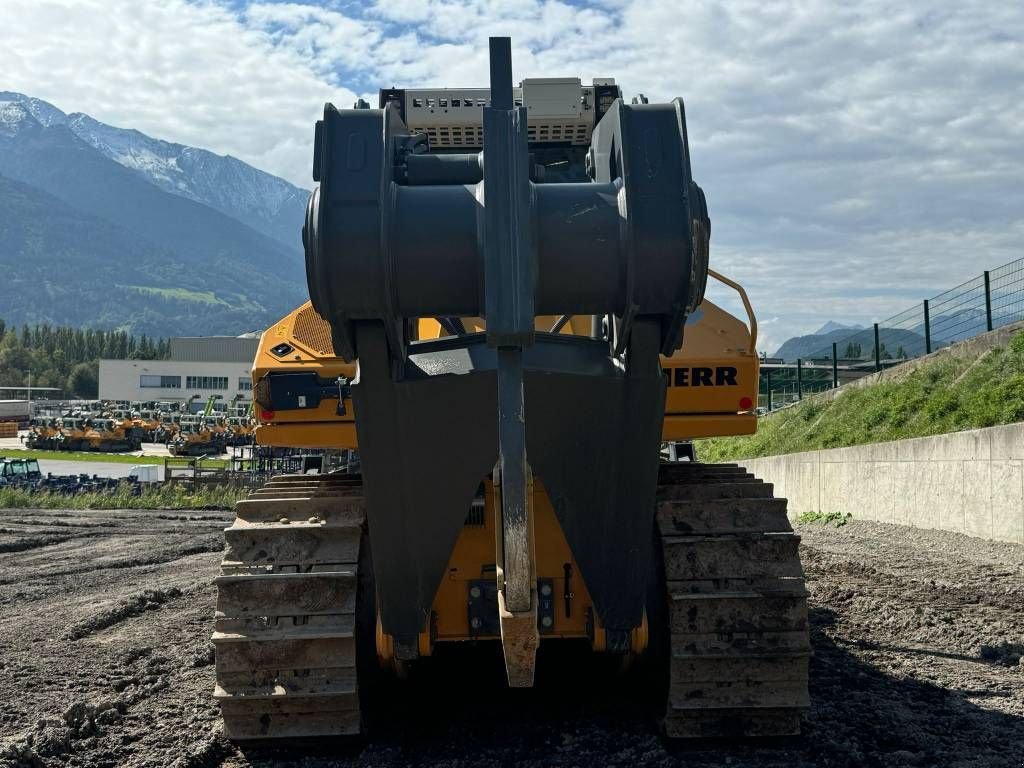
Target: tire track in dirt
149, 600
25, 544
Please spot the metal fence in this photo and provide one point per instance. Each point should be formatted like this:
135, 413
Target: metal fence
989, 301
251, 466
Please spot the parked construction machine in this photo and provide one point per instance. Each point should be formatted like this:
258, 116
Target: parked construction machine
18, 472
508, 322
43, 433
109, 436
198, 436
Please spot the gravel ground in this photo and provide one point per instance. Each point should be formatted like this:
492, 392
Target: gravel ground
105, 661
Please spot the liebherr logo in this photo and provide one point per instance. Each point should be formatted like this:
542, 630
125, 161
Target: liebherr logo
720, 376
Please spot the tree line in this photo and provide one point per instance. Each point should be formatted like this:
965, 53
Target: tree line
68, 358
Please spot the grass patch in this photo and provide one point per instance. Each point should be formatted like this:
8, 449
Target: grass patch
108, 458
946, 395
180, 294
825, 518
158, 497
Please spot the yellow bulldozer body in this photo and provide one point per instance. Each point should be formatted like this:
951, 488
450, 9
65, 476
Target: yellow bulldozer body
712, 380
525, 482
712, 390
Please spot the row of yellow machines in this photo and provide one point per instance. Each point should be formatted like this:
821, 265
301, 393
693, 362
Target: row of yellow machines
122, 426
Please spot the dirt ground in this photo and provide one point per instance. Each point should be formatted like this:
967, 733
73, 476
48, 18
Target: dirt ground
105, 661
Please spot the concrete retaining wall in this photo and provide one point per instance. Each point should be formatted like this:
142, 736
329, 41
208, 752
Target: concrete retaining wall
968, 482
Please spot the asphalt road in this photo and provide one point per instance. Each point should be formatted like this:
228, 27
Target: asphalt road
9, 445
100, 468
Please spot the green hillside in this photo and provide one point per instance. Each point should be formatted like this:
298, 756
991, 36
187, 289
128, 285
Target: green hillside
63, 266
181, 294
947, 394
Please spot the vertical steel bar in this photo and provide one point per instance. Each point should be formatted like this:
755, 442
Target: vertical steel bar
510, 268
835, 365
509, 277
768, 386
799, 379
878, 351
512, 457
988, 301
927, 329
500, 49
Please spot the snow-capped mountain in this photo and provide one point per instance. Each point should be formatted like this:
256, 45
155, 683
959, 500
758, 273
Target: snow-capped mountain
265, 202
12, 116
15, 106
102, 227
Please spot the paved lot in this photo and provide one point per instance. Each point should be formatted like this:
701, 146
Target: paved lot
10, 443
103, 469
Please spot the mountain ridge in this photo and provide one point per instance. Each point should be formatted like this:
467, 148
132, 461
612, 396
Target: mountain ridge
94, 242
831, 325
266, 203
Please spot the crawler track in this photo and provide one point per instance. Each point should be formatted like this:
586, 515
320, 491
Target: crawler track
285, 631
286, 604
737, 605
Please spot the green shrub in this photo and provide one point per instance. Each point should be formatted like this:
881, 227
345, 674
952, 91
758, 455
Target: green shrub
824, 518
157, 497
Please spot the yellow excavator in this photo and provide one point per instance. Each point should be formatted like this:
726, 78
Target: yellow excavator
508, 323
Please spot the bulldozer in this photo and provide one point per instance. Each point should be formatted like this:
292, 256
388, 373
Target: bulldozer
508, 322
44, 433
198, 436
130, 422
108, 435
72, 433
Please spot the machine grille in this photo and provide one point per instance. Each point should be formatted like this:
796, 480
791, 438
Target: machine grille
313, 332
472, 135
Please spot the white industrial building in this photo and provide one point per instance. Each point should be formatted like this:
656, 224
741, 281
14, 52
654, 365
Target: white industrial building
203, 366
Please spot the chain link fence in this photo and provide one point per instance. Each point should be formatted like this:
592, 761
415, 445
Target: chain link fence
1007, 293
984, 303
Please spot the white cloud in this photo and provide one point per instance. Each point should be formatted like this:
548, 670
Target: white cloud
193, 73
857, 157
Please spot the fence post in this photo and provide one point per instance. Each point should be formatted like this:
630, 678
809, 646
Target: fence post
927, 329
878, 351
799, 379
988, 301
768, 385
835, 365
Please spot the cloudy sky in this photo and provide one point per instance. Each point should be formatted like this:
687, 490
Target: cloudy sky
857, 157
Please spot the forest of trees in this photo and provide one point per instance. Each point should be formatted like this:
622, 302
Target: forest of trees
68, 358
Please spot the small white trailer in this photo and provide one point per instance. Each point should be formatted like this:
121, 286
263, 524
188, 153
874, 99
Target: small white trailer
145, 473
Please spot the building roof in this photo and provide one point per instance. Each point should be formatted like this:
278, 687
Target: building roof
214, 349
